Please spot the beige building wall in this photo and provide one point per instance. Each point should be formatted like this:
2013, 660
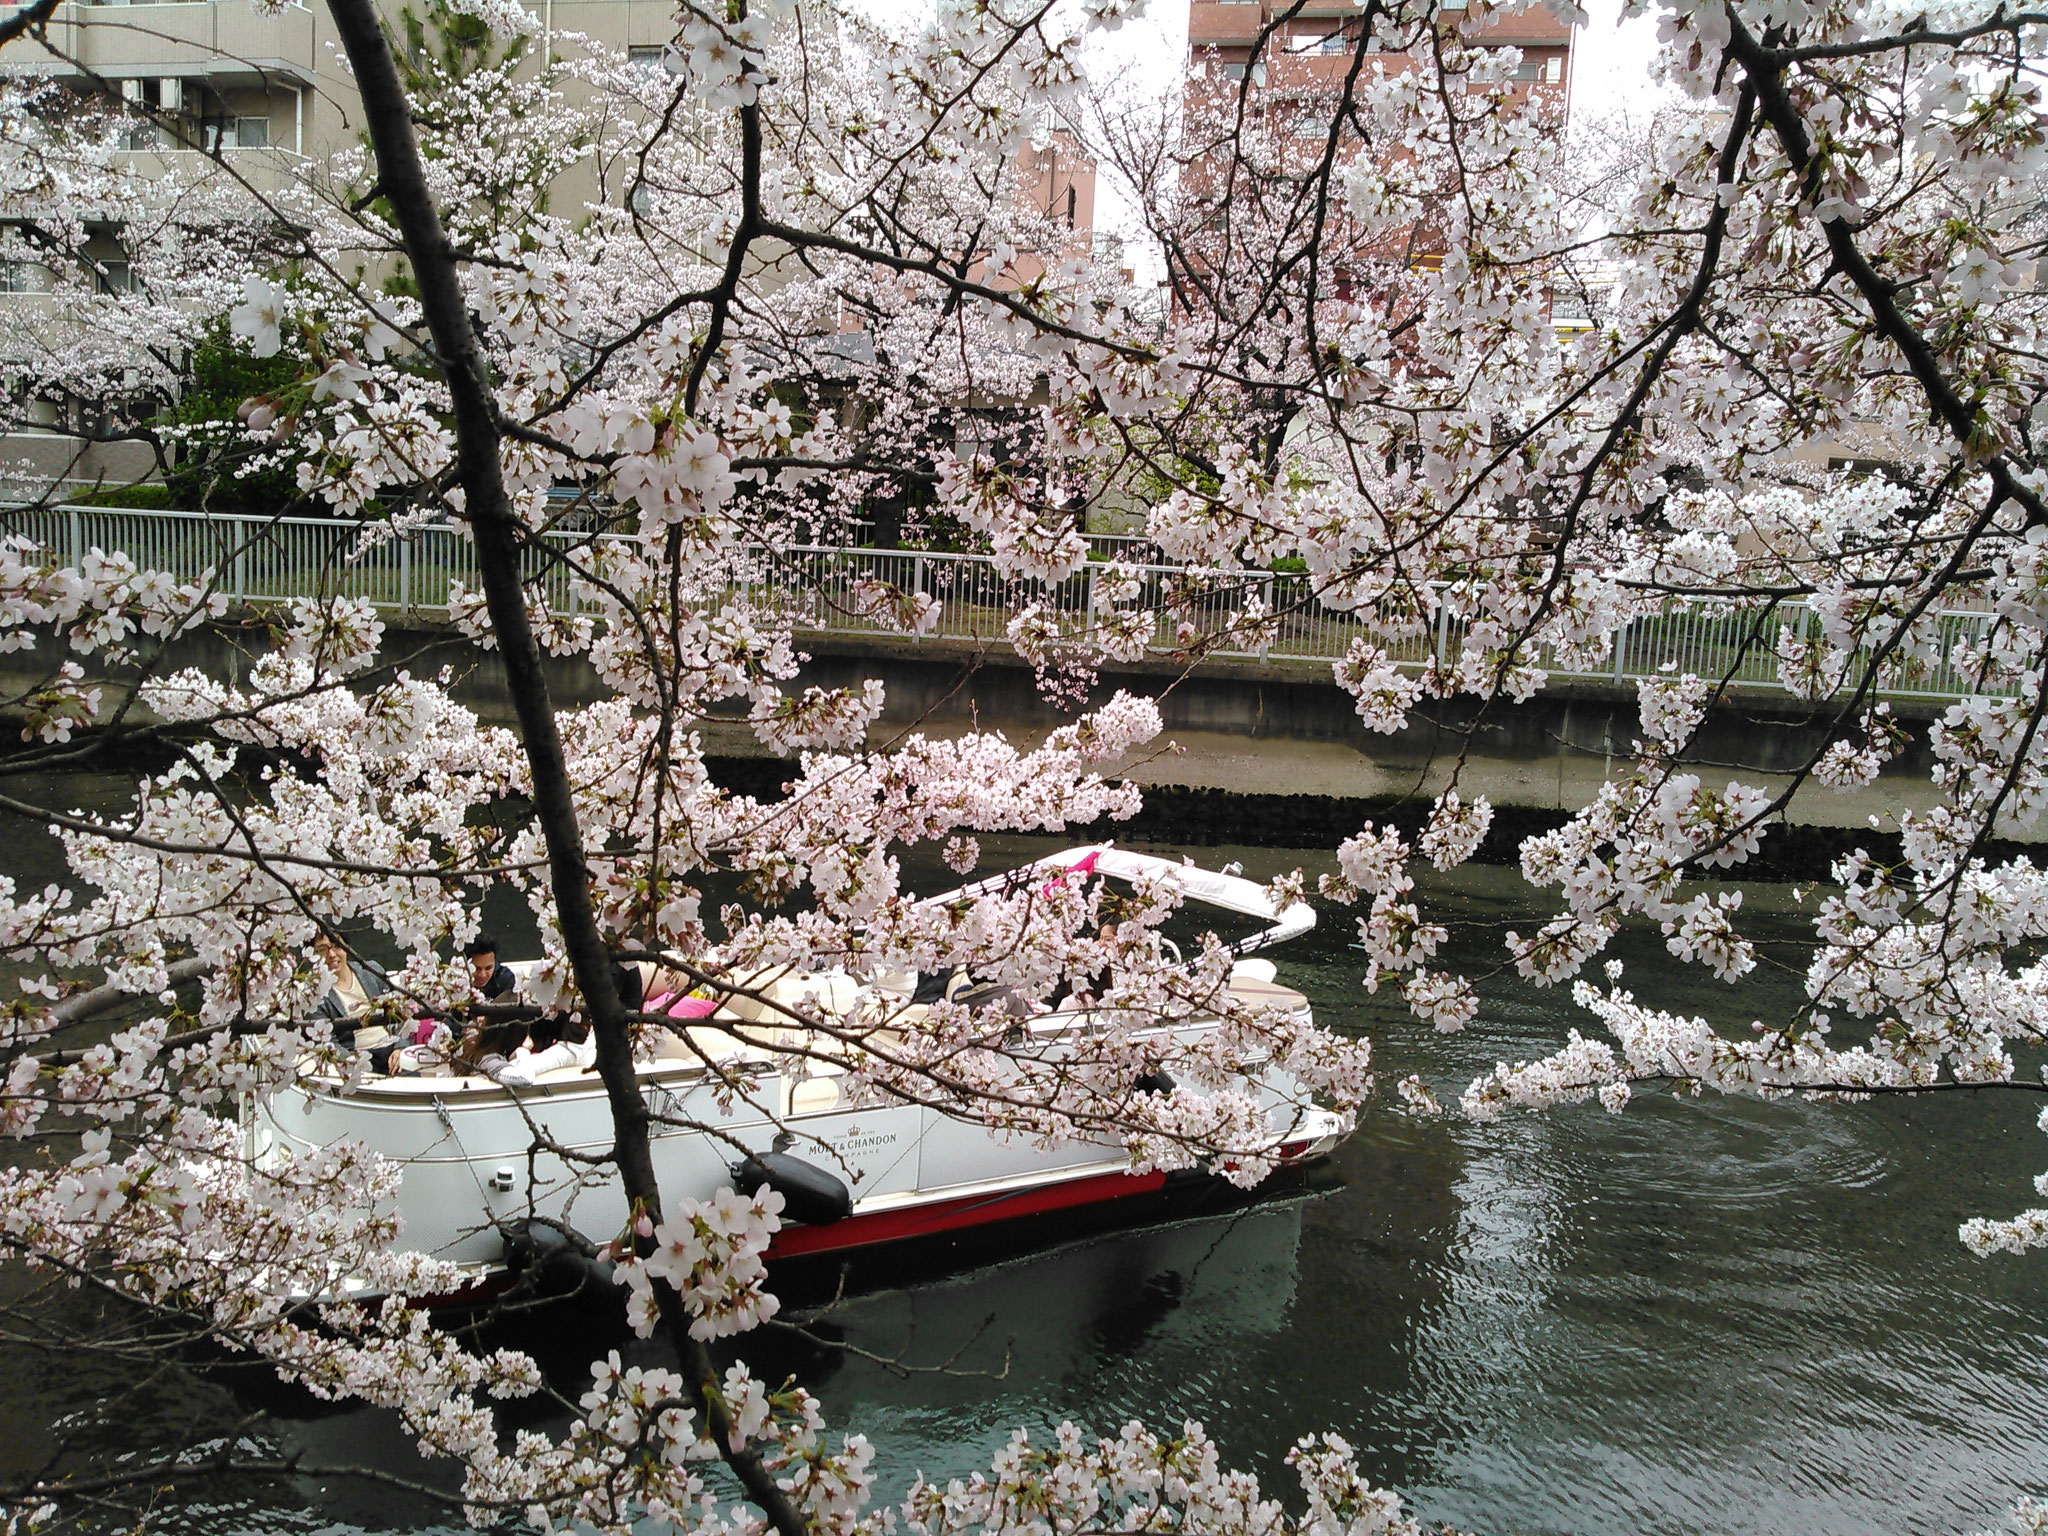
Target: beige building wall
224, 61
269, 93
269, 90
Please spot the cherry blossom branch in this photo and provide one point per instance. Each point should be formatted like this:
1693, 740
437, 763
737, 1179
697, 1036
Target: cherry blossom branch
30, 18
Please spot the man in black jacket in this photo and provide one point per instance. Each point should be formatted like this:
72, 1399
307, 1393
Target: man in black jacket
485, 973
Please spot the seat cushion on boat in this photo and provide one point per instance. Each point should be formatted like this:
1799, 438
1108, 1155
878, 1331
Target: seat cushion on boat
707, 1042
763, 983
832, 991
564, 1074
667, 1045
902, 1015
1266, 994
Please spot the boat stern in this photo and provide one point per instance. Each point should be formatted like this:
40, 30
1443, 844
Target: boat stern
1315, 1134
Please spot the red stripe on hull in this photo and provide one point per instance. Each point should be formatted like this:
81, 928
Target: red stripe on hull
938, 1216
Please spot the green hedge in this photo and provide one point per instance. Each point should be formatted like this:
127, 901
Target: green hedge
151, 496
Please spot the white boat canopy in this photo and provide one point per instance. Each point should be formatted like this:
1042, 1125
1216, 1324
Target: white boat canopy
1232, 893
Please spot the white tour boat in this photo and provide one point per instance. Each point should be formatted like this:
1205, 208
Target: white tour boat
478, 1180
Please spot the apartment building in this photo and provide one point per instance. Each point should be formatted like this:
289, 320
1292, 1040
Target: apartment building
268, 91
268, 88
238, 78
1312, 50
1246, 173
1297, 60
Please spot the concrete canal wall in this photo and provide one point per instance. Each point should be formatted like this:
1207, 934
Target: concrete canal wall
1242, 731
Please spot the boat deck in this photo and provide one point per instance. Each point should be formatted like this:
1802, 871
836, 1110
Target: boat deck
727, 1043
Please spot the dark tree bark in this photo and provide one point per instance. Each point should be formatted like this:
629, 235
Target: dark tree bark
499, 538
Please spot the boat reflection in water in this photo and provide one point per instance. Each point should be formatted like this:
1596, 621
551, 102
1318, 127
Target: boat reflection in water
1079, 1316
1085, 1330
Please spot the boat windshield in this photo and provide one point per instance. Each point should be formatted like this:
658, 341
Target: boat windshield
1186, 926
1235, 909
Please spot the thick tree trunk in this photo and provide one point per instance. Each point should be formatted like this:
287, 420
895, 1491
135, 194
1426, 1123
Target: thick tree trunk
498, 537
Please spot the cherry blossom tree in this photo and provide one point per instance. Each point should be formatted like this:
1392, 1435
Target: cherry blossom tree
519, 352
793, 253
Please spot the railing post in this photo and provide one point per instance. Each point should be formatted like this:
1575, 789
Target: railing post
917, 591
1088, 599
1443, 630
405, 575
1620, 639
74, 538
1266, 630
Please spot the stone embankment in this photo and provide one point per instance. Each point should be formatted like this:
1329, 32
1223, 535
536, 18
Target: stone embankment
1267, 752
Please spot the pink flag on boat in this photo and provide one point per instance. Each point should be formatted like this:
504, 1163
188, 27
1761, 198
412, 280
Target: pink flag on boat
1083, 867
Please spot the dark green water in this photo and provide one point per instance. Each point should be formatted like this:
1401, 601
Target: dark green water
1702, 1317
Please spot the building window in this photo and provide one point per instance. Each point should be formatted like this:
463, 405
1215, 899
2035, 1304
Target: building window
17, 276
142, 96
235, 133
650, 57
116, 277
1336, 42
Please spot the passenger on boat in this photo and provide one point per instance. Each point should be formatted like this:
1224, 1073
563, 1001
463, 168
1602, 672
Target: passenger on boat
644, 986
990, 994
424, 1050
952, 984
939, 986
517, 1052
1087, 992
958, 986
553, 1042
348, 1000
487, 1050
487, 973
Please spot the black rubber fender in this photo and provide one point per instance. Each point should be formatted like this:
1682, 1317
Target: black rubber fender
560, 1263
810, 1194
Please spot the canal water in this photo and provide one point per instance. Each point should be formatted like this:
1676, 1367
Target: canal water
1710, 1316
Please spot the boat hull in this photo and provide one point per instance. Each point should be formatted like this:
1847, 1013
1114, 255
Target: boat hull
932, 1218
483, 1162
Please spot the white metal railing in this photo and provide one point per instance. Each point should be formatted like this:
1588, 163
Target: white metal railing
1137, 548
825, 588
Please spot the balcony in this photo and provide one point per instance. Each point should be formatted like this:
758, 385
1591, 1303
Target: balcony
226, 43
